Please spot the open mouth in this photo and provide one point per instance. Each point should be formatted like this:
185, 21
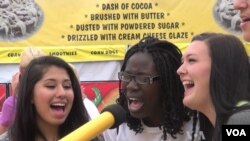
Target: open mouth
58, 106
188, 84
245, 19
131, 100
135, 104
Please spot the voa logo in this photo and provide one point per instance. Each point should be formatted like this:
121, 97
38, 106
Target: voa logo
236, 132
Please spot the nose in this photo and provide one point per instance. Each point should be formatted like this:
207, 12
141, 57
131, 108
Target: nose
132, 84
181, 70
240, 4
61, 91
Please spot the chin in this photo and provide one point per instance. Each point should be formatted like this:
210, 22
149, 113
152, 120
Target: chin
246, 33
139, 113
246, 36
58, 123
188, 102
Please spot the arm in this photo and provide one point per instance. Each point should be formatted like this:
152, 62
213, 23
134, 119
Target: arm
8, 110
241, 118
3, 129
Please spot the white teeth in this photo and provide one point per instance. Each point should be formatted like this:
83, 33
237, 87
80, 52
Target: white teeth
187, 82
133, 99
58, 104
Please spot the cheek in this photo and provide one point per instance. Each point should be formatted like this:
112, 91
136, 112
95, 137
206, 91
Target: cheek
41, 102
201, 75
152, 92
246, 34
202, 92
203, 84
70, 96
205, 78
41, 96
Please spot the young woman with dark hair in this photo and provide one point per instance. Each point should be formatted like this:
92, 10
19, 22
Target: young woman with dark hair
216, 77
49, 105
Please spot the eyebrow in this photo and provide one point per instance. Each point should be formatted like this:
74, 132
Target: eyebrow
53, 79
188, 55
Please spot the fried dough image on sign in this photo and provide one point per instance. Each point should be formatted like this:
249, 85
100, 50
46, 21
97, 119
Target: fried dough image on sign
226, 16
19, 19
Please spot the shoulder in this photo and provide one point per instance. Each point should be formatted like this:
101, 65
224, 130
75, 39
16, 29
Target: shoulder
191, 125
188, 125
10, 100
4, 137
122, 133
114, 132
91, 108
240, 117
111, 134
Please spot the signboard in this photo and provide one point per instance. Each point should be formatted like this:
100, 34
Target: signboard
82, 30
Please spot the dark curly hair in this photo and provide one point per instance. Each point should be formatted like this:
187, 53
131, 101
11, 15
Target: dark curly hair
167, 59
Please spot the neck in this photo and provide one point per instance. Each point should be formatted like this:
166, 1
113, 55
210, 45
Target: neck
50, 132
155, 120
151, 123
209, 112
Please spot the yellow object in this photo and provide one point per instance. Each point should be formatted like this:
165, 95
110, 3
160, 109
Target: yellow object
241, 103
91, 129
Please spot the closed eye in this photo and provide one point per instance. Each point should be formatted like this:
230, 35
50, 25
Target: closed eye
67, 87
50, 86
191, 61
